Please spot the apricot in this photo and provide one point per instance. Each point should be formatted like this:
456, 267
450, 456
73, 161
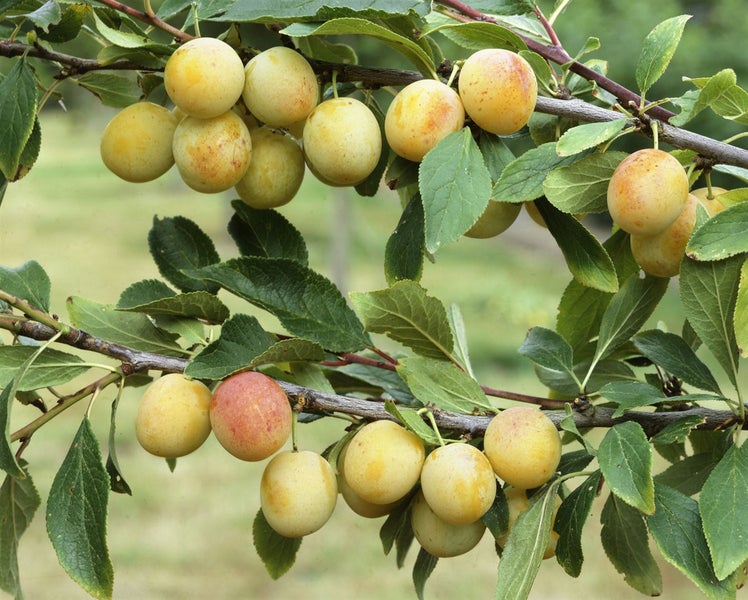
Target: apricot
713, 204
342, 141
647, 192
518, 502
422, 113
383, 462
173, 418
458, 483
298, 493
496, 218
250, 415
136, 143
204, 77
523, 446
212, 155
280, 87
438, 537
357, 504
275, 172
498, 90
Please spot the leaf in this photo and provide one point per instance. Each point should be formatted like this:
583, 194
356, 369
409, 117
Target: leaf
588, 135
721, 236
389, 381
306, 303
722, 504
50, 368
77, 513
403, 254
455, 188
113, 90
625, 541
18, 102
47, 14
476, 36
677, 431
273, 11
30, 152
443, 384
407, 314
155, 298
673, 354
676, 529
422, 568
277, 552
294, 350
28, 282
708, 293
117, 482
741, 312
414, 421
457, 326
689, 474
548, 349
265, 233
570, 519
19, 500
178, 244
630, 394
657, 51
396, 531
625, 458
568, 425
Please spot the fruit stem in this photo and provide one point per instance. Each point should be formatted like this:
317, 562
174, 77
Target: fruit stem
334, 84
453, 74
655, 126
432, 422
294, 428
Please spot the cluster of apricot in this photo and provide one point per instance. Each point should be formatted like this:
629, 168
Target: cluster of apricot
379, 468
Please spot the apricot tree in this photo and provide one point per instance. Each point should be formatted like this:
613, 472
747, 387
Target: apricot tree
607, 365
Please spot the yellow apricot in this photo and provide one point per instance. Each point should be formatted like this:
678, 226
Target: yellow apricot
357, 504
496, 218
713, 204
438, 537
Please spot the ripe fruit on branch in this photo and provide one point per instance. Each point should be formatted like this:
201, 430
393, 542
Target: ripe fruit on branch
204, 77
498, 89
383, 462
280, 87
438, 537
523, 446
275, 172
421, 114
342, 141
357, 504
458, 483
298, 493
518, 502
172, 418
496, 218
136, 143
647, 192
250, 415
212, 155
713, 204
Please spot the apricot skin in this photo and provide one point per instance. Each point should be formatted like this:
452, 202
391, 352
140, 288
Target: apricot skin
523, 446
713, 204
250, 415
357, 504
647, 192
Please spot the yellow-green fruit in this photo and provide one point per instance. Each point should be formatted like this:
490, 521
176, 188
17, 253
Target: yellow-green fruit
172, 418
280, 87
422, 113
518, 502
713, 204
661, 254
212, 155
496, 218
647, 192
136, 143
383, 462
357, 504
342, 141
523, 446
458, 483
275, 172
498, 89
204, 77
438, 537
298, 493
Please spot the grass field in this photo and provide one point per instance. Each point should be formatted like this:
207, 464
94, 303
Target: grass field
187, 534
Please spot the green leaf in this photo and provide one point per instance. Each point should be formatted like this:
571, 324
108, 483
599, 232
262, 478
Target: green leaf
582, 187
568, 425
721, 236
525, 546
570, 520
69, 25
265, 233
382, 379
722, 502
155, 298
710, 90
657, 51
274, 11
18, 101
630, 394
585, 256
673, 354
604, 372
443, 384
117, 482
50, 368
741, 312
675, 526
689, 474
177, 245
306, 303
588, 135
403, 254
28, 282
30, 151
277, 552
407, 314
677, 431
413, 420
625, 458
625, 541
117, 91
477, 36
455, 188
18, 503
422, 568
294, 350
47, 14
548, 349
77, 514
708, 293
133, 330
123, 39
